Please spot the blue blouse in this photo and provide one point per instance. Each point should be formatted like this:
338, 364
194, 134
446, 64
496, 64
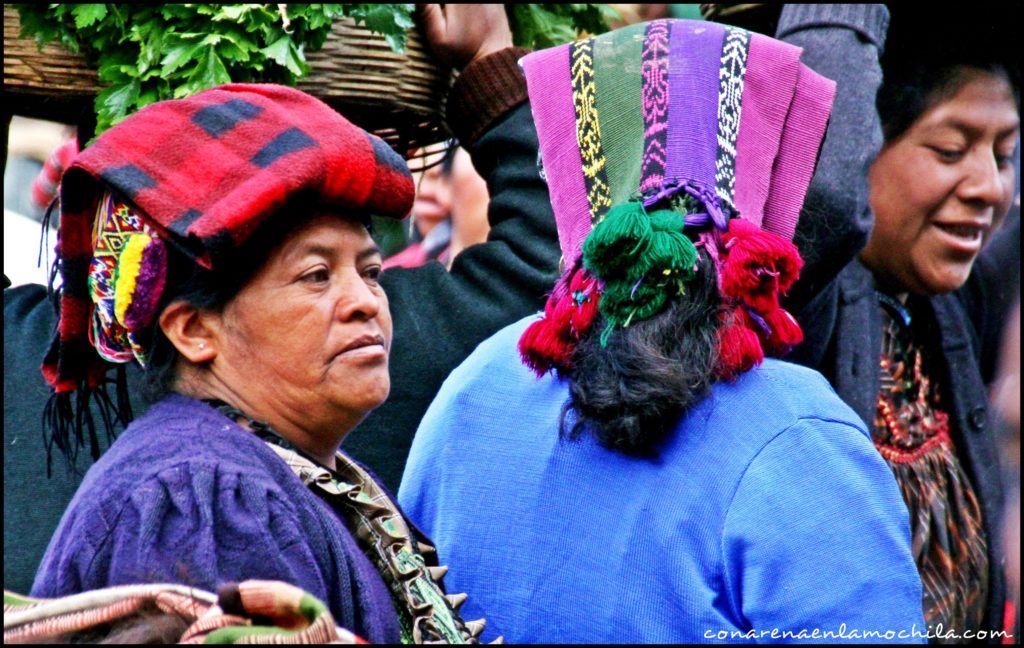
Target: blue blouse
767, 512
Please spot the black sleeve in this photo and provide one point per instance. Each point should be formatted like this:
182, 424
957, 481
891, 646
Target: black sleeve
440, 317
843, 43
991, 291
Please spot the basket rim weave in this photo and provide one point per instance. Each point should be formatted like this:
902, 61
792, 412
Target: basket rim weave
399, 97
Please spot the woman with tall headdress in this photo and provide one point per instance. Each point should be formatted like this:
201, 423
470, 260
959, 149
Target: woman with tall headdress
629, 466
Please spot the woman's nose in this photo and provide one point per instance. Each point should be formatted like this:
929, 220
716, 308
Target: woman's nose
358, 300
984, 183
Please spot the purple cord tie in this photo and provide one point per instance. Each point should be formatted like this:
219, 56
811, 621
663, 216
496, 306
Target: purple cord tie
759, 321
718, 211
632, 293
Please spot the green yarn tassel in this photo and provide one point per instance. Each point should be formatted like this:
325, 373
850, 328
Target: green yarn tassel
644, 260
612, 246
668, 253
665, 220
624, 303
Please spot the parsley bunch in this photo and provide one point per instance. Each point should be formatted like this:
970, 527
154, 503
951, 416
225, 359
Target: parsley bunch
537, 26
151, 52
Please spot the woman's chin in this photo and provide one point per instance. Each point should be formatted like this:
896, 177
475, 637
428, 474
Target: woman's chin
370, 397
355, 385
947, 278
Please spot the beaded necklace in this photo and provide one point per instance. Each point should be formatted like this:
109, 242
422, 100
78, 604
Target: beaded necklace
908, 403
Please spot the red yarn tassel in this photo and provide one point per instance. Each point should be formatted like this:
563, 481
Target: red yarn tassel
739, 348
584, 314
758, 265
585, 310
543, 349
568, 315
785, 332
561, 315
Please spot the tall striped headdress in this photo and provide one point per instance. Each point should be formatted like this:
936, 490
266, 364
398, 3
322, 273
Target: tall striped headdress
662, 133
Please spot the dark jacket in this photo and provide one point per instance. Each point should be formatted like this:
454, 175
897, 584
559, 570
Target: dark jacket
439, 317
835, 300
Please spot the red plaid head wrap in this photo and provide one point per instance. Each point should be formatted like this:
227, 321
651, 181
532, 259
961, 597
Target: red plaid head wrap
204, 173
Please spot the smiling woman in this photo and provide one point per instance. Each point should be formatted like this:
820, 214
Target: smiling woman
941, 186
906, 327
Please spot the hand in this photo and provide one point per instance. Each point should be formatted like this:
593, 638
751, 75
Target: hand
462, 33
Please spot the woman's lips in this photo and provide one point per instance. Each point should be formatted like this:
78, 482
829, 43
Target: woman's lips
370, 351
364, 346
428, 209
963, 237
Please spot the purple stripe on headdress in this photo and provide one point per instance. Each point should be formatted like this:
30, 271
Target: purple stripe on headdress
549, 82
768, 88
693, 100
655, 102
801, 137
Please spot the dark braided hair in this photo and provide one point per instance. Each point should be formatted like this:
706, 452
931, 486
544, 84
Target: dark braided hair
631, 393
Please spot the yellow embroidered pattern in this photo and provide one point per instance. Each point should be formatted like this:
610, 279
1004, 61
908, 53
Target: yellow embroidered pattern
588, 131
127, 273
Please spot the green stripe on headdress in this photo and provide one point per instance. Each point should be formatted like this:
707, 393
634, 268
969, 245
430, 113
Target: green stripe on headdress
618, 65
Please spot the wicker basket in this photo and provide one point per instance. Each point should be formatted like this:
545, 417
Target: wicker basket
52, 71
400, 97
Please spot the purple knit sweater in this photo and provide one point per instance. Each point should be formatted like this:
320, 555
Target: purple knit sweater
187, 496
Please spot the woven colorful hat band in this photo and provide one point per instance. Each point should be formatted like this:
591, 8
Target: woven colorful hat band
664, 133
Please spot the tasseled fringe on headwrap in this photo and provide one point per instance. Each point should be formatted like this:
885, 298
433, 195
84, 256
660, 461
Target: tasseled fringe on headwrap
68, 419
634, 262
569, 314
756, 268
44, 244
644, 259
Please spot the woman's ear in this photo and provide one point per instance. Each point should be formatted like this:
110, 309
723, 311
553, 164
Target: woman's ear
191, 331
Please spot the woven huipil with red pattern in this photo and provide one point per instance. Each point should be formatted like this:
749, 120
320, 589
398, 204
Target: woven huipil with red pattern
912, 433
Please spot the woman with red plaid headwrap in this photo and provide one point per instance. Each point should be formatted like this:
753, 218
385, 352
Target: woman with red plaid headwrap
221, 242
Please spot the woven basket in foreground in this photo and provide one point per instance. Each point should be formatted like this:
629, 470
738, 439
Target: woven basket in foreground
399, 97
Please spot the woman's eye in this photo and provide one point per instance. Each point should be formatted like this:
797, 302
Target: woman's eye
372, 274
316, 276
948, 155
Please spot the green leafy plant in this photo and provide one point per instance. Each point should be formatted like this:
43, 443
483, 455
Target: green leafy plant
150, 52
545, 25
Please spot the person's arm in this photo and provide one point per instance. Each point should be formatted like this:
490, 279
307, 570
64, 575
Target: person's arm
992, 289
439, 316
505, 278
817, 536
842, 42
185, 525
